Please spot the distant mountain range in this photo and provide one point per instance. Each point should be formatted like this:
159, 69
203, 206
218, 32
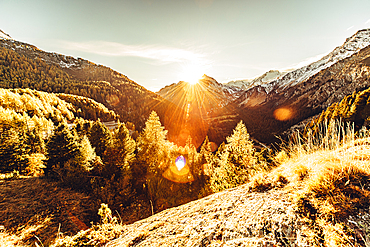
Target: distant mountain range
261, 80
268, 105
275, 101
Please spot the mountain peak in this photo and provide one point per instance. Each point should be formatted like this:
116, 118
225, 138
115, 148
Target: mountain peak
352, 45
4, 35
260, 80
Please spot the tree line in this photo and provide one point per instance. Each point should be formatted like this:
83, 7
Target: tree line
354, 108
123, 167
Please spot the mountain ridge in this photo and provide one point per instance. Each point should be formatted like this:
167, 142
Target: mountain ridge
226, 104
265, 78
53, 72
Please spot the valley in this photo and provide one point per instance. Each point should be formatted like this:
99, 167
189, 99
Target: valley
89, 156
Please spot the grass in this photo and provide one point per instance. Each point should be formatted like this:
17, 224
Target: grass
328, 175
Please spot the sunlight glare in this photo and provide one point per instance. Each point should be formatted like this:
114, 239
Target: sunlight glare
180, 162
192, 73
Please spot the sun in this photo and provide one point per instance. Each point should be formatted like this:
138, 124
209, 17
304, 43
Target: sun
191, 73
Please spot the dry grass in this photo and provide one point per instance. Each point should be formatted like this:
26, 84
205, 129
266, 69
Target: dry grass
97, 235
34, 210
329, 179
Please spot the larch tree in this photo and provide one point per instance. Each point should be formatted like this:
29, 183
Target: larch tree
151, 154
13, 150
237, 161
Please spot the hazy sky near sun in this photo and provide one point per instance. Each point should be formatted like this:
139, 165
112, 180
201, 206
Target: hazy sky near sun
160, 42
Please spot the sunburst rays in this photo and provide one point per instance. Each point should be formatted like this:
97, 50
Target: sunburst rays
196, 103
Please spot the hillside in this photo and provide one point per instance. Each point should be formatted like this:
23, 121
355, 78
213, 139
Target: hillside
50, 105
32, 208
270, 109
25, 66
318, 197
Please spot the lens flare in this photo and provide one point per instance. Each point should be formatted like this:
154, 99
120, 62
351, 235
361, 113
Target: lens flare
179, 171
180, 162
283, 114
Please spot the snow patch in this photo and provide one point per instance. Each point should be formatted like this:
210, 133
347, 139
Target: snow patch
261, 80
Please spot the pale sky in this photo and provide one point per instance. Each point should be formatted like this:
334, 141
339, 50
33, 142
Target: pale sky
160, 42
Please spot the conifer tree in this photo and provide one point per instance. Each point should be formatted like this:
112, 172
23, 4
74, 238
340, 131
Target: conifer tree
115, 187
35, 141
125, 145
237, 161
13, 150
151, 143
151, 154
62, 147
100, 137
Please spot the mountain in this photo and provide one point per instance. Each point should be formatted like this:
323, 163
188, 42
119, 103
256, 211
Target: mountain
269, 109
261, 80
270, 106
208, 105
25, 66
4, 35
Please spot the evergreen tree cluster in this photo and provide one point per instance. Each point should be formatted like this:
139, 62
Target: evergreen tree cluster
55, 106
35, 69
120, 167
353, 108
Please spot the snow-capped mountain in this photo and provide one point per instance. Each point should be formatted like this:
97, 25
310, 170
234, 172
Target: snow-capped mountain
4, 35
211, 108
352, 45
269, 109
261, 80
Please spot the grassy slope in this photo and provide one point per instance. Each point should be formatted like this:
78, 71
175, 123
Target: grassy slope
318, 196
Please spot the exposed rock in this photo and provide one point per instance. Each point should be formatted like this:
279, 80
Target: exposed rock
229, 218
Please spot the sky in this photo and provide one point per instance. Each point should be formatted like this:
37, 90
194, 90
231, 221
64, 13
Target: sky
160, 42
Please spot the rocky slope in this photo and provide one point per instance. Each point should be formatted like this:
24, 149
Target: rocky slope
229, 218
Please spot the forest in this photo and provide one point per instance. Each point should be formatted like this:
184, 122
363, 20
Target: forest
44, 134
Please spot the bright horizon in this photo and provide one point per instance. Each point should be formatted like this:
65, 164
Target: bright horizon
160, 42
